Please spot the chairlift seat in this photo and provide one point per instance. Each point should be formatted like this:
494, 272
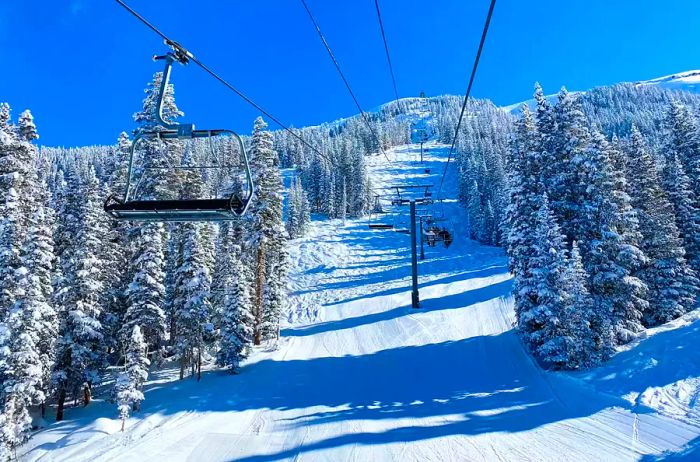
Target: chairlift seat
381, 226
224, 207
177, 210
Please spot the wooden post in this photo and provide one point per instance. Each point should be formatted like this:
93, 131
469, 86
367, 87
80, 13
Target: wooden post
415, 300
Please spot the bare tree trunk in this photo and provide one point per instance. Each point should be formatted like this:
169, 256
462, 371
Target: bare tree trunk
173, 329
61, 403
199, 363
87, 394
182, 367
123, 422
259, 292
193, 365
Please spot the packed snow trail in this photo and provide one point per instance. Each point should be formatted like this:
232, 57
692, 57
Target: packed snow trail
359, 375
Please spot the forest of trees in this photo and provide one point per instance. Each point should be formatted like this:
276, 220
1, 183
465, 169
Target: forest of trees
88, 302
601, 230
594, 196
83, 296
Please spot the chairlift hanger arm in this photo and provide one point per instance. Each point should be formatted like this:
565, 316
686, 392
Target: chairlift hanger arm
184, 56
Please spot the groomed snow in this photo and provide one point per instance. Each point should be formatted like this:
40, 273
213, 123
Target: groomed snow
360, 376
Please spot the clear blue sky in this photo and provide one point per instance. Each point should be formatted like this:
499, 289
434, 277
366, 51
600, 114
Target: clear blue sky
81, 65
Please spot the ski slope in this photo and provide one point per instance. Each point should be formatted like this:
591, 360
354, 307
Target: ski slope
361, 376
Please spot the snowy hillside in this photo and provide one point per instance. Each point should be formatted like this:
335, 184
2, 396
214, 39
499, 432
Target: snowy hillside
359, 375
683, 81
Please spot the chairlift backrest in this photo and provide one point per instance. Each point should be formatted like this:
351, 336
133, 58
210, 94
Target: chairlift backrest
221, 204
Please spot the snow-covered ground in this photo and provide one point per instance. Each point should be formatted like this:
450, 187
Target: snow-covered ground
361, 376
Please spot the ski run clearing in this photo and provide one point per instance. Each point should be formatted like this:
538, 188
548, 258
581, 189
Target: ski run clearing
359, 375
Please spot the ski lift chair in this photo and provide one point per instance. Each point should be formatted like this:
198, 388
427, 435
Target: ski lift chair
438, 229
221, 206
377, 210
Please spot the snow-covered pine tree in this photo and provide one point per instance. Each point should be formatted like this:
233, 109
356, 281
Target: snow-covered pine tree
26, 126
570, 344
173, 260
192, 307
116, 253
11, 406
37, 260
267, 236
146, 292
293, 206
546, 144
563, 183
685, 205
159, 183
79, 347
5, 120
236, 318
5, 452
130, 382
298, 210
672, 283
24, 374
682, 138
331, 208
611, 252
548, 268
13, 172
10, 245
525, 195
343, 204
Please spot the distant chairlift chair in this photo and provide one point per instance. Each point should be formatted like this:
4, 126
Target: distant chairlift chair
229, 207
378, 210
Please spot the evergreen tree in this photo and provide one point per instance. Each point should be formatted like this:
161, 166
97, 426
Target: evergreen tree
608, 228
525, 193
36, 294
267, 236
685, 204
236, 318
570, 344
79, 347
159, 183
293, 205
548, 265
563, 182
117, 251
683, 140
672, 283
343, 204
192, 307
297, 211
5, 431
10, 244
146, 292
130, 382
27, 128
24, 376
5, 121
